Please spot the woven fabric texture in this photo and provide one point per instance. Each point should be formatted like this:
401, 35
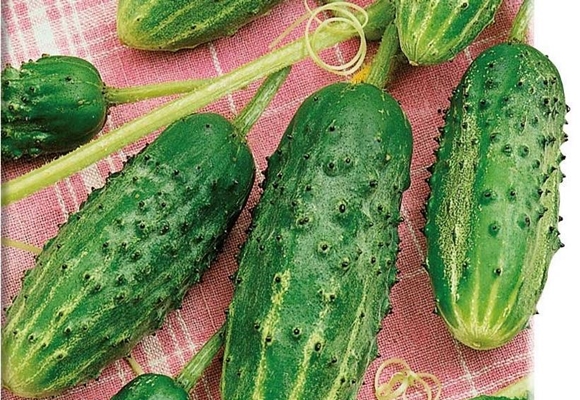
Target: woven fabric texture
86, 28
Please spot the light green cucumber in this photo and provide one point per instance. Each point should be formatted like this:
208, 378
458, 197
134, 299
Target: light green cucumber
432, 32
179, 24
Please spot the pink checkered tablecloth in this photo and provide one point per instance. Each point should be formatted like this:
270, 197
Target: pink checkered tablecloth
86, 28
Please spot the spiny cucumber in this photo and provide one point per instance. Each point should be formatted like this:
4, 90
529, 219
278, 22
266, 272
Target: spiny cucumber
54, 104
57, 103
127, 258
315, 273
492, 216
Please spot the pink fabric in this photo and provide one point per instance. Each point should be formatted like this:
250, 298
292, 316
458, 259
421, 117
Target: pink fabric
86, 28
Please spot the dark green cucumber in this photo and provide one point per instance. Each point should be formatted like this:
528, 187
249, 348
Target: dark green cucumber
50, 105
493, 213
127, 258
315, 273
162, 387
179, 24
432, 32
152, 387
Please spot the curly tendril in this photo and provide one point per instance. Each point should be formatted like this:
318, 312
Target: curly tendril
404, 379
343, 18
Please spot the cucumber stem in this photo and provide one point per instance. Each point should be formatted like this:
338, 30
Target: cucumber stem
194, 369
384, 60
21, 245
379, 16
521, 22
256, 106
116, 96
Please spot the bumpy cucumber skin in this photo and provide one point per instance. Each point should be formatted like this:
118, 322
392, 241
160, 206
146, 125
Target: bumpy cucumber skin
493, 213
127, 258
151, 387
432, 32
179, 24
315, 273
50, 105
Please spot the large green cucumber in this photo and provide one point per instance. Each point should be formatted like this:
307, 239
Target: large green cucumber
50, 105
127, 258
493, 213
178, 24
432, 32
315, 273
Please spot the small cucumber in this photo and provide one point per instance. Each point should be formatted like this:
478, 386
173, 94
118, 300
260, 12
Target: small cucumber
492, 215
57, 103
432, 32
162, 387
127, 258
179, 24
152, 387
50, 105
315, 272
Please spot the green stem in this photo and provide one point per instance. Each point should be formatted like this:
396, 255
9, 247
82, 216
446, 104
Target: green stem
105, 145
384, 60
116, 96
264, 95
194, 369
521, 22
21, 245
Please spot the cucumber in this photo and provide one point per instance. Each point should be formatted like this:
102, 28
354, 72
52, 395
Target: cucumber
127, 258
50, 105
178, 24
162, 387
432, 32
315, 272
152, 387
57, 103
492, 215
